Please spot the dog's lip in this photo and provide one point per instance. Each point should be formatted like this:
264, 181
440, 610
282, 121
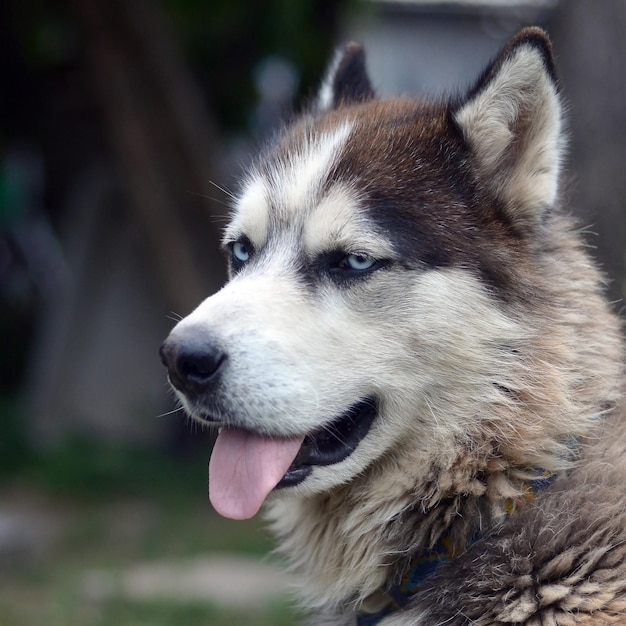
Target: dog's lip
334, 443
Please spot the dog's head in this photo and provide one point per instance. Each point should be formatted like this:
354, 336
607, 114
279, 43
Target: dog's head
376, 256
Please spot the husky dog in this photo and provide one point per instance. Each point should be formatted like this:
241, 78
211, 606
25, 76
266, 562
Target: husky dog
413, 365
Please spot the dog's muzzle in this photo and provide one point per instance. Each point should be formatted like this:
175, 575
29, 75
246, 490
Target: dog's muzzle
248, 463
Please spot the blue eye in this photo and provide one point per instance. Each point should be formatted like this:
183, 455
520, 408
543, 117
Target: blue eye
358, 262
241, 252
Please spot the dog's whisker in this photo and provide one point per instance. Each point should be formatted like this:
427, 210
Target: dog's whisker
172, 412
334, 432
175, 317
205, 196
224, 190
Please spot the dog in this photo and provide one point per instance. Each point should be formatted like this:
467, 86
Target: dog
413, 364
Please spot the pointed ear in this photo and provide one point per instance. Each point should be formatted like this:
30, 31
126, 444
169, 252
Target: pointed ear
511, 121
346, 80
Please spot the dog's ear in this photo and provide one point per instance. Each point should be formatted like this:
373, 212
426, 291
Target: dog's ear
511, 121
346, 80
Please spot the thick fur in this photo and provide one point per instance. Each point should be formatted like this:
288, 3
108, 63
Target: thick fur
481, 330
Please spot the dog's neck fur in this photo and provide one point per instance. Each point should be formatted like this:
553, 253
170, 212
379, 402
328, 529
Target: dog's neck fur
352, 555
341, 545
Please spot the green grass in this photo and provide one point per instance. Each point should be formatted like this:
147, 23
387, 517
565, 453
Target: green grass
108, 510
123, 612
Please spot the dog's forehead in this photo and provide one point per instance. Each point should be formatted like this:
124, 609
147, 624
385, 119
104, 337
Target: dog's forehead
348, 178
289, 183
297, 187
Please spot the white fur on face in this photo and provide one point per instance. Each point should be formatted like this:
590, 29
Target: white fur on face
251, 214
300, 178
336, 223
295, 184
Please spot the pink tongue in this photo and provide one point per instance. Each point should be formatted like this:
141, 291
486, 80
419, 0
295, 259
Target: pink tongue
245, 467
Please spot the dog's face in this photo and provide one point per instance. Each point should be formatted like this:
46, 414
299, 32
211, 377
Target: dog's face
373, 255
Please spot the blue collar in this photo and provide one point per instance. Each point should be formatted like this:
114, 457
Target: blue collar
424, 566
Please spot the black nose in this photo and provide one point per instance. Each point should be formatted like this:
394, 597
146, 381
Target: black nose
192, 366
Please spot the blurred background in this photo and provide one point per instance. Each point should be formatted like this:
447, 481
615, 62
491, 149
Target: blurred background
124, 126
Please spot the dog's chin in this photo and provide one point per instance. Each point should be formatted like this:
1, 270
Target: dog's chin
332, 444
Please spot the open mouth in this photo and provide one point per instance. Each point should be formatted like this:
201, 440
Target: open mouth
246, 466
334, 443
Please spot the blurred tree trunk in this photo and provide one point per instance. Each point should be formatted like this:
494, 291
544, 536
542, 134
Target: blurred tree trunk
96, 371
163, 137
590, 41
